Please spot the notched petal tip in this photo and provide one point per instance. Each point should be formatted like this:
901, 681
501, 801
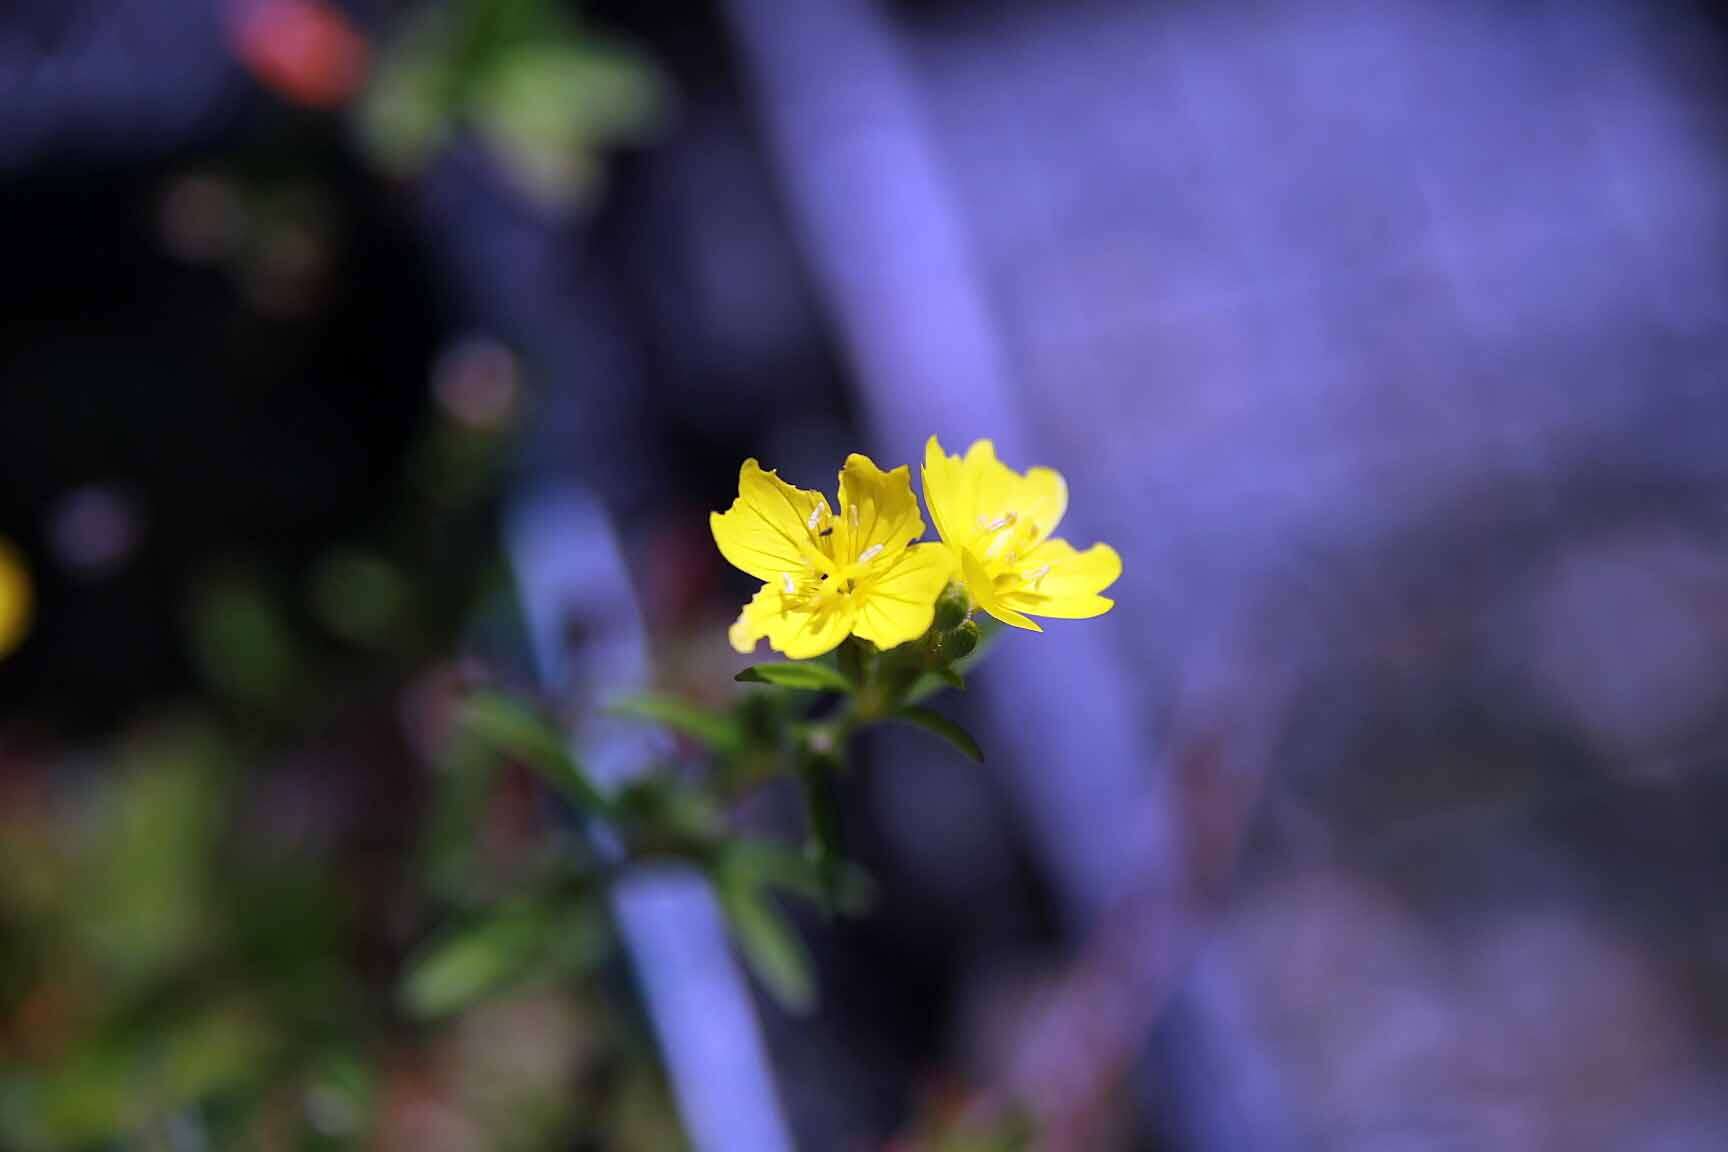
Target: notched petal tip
1109, 559
980, 451
751, 626
859, 464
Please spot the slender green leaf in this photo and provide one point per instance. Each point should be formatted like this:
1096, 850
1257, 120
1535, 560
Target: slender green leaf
940, 725
779, 866
717, 733
805, 677
512, 730
770, 946
477, 960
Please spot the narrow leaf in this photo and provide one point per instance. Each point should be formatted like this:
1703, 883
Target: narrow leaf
512, 730
779, 866
770, 946
940, 725
716, 733
472, 962
805, 677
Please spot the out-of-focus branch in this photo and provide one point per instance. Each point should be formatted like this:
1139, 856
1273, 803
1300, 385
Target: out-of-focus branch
582, 612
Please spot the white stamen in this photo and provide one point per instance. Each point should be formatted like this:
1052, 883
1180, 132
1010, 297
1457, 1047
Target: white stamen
852, 514
816, 515
870, 554
1039, 573
786, 583
1007, 520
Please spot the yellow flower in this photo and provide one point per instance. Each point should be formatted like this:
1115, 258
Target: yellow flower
998, 522
828, 576
14, 598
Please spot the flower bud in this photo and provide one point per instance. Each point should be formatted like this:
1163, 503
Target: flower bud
952, 608
960, 643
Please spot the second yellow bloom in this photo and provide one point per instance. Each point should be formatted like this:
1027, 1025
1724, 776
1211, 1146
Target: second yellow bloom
998, 523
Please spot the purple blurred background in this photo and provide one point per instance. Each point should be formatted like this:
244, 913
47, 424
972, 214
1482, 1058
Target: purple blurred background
1381, 339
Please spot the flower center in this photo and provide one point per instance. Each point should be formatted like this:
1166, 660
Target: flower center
1005, 537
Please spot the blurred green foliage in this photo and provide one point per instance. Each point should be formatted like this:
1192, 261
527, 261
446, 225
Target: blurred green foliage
208, 936
543, 94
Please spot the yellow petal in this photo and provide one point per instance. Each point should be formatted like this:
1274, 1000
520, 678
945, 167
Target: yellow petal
877, 511
755, 621
973, 496
1060, 608
994, 486
799, 625
948, 495
803, 633
768, 530
1042, 501
1035, 501
898, 605
1071, 572
1061, 583
983, 593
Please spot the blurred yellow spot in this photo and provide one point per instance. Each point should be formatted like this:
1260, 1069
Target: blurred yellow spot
14, 598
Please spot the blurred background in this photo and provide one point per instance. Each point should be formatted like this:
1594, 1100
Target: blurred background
354, 353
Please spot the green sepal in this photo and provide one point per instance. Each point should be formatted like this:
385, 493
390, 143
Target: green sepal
953, 606
933, 680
